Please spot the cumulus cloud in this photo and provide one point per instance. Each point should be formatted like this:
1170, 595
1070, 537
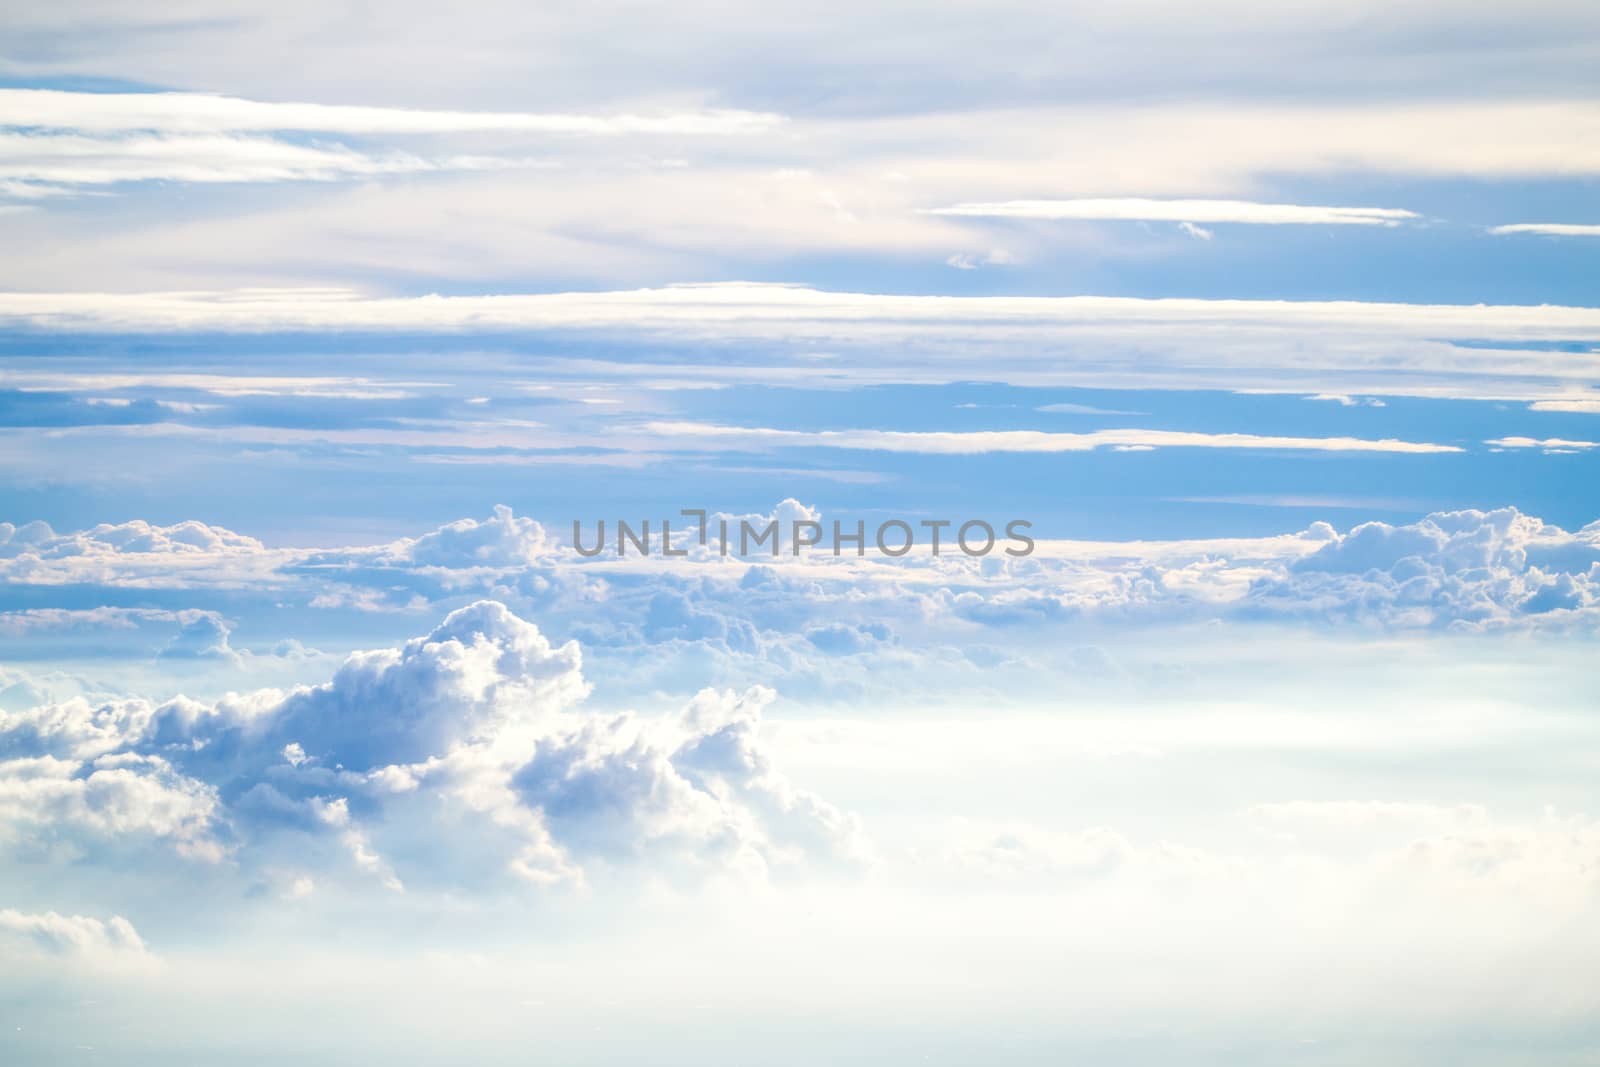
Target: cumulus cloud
132, 554
502, 540
462, 755
1473, 569
37, 538
79, 937
74, 805
1465, 569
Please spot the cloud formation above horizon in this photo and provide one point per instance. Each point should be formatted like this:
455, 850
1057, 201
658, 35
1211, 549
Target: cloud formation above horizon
1467, 570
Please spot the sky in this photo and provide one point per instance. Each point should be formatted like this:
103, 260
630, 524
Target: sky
329, 336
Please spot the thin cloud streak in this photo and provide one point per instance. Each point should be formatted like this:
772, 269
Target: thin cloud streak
748, 306
1181, 211
983, 441
1549, 229
208, 113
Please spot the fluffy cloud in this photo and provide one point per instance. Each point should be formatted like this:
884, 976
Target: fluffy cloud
461, 755
1466, 569
38, 539
71, 806
81, 937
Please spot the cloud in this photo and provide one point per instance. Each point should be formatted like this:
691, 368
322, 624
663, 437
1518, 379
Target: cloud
133, 553
1082, 409
69, 160
1550, 229
814, 625
82, 802
80, 937
1460, 570
1579, 405
1345, 347
191, 113
997, 257
1549, 444
1180, 211
1348, 401
52, 139
459, 756
502, 540
982, 441
749, 310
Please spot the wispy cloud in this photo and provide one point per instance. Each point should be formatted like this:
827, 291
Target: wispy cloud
208, 113
1577, 405
1548, 444
52, 140
61, 160
1350, 348
1345, 401
1082, 409
759, 308
1181, 211
1550, 229
981, 441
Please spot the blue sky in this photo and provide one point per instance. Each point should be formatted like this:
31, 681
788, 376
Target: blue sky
320, 326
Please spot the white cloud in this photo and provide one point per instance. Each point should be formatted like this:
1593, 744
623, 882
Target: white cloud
997, 257
66, 160
745, 310
1580, 405
1134, 209
1082, 409
1345, 401
73, 936
465, 746
1300, 348
191, 113
982, 441
502, 540
51, 139
1550, 229
47, 801
1549, 444
1464, 570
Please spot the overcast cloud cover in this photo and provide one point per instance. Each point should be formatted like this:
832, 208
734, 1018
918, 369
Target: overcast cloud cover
321, 327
